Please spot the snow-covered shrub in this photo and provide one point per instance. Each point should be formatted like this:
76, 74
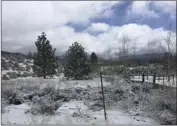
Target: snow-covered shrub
20, 60
28, 68
16, 65
78, 90
109, 79
7, 92
25, 74
29, 87
12, 75
167, 118
4, 77
16, 100
49, 89
10, 62
5, 65
163, 105
22, 68
44, 106
166, 99
13, 68
19, 74
34, 75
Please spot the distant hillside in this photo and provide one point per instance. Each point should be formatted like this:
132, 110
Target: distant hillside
143, 56
15, 65
9, 54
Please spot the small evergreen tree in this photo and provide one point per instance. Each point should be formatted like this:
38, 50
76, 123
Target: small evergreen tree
76, 64
44, 59
30, 54
94, 58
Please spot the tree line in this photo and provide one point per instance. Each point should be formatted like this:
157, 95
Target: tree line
76, 59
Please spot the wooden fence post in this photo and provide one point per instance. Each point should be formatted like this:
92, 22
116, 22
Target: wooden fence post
143, 77
103, 96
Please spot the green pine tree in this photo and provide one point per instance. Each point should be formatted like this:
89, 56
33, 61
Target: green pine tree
30, 55
76, 65
94, 58
94, 61
44, 59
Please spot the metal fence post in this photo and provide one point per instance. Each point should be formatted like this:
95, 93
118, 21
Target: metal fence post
143, 77
103, 96
163, 79
154, 78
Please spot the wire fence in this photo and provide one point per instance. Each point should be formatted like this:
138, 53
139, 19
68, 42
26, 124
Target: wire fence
155, 79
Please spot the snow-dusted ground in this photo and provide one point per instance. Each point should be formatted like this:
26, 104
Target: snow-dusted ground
159, 80
58, 82
73, 112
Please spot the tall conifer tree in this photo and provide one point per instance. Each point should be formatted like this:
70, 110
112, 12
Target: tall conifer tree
44, 59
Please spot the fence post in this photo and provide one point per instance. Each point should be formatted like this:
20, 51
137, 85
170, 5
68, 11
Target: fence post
139, 75
103, 96
143, 77
154, 78
158, 77
163, 79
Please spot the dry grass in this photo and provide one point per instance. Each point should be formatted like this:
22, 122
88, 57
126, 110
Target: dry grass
153, 102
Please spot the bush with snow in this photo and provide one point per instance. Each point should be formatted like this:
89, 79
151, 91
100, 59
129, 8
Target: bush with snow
26, 74
12, 75
44, 108
5, 77
143, 96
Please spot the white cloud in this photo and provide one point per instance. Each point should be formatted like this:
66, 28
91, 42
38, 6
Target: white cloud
61, 38
141, 8
24, 21
37, 15
98, 27
144, 9
166, 7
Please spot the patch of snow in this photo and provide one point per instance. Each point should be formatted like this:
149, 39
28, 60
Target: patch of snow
20, 64
16, 114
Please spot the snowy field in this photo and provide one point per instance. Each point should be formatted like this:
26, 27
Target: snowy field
159, 80
70, 112
60, 83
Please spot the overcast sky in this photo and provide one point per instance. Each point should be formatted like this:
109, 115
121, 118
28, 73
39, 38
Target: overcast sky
97, 25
